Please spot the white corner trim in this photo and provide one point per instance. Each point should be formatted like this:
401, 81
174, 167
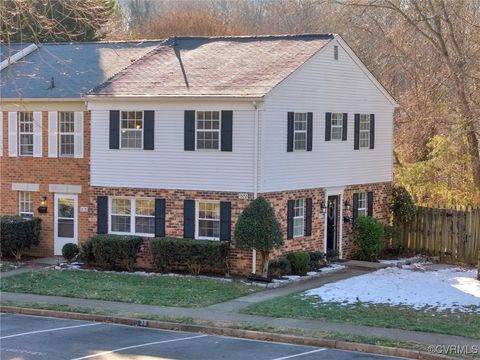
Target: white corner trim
65, 189
25, 187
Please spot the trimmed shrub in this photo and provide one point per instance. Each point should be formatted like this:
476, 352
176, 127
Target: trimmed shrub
110, 251
332, 254
300, 262
402, 205
196, 255
278, 268
369, 237
69, 251
316, 260
18, 234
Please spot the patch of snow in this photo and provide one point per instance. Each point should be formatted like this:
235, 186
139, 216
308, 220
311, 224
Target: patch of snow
332, 267
446, 288
403, 260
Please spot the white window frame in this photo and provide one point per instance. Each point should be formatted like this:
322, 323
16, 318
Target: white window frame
299, 206
219, 130
336, 117
197, 220
131, 130
296, 116
365, 118
23, 201
20, 132
132, 215
60, 133
362, 204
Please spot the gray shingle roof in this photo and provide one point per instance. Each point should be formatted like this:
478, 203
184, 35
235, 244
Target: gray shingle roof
75, 67
223, 66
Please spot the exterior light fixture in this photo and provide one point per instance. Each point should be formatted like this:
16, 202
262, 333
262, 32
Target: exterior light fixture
323, 208
347, 206
42, 209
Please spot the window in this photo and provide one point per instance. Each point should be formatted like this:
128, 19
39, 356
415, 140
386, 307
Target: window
364, 130
26, 203
208, 220
66, 133
337, 126
208, 130
362, 204
300, 131
25, 133
132, 216
298, 218
131, 130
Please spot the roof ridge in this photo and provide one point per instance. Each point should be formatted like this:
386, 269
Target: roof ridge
253, 36
89, 42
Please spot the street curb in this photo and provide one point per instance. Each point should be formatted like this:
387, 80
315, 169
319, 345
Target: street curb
225, 331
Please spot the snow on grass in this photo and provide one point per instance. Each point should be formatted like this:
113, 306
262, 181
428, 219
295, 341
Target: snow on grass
446, 288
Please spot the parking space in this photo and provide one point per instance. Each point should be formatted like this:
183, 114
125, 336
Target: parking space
30, 337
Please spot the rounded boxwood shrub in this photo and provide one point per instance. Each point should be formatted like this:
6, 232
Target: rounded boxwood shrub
279, 267
316, 260
300, 262
109, 251
18, 234
69, 251
369, 238
169, 254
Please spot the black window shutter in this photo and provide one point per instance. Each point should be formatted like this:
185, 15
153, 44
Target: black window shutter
356, 138
148, 130
159, 217
309, 131
102, 214
225, 220
355, 206
114, 129
189, 130
227, 126
308, 224
345, 127
370, 203
328, 126
189, 219
290, 214
290, 132
372, 131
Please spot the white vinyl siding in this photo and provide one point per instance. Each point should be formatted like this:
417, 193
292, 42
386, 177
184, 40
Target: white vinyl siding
300, 131
25, 205
25, 133
208, 130
132, 216
131, 130
299, 218
362, 204
364, 133
337, 126
66, 133
207, 222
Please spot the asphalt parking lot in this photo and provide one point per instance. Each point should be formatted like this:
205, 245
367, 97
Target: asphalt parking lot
30, 337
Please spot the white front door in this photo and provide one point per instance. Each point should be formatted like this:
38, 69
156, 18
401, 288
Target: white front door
65, 221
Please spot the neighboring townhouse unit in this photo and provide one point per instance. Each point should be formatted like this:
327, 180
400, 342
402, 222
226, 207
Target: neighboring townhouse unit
185, 137
45, 131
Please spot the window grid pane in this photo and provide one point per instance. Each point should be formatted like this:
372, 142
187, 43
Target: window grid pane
364, 130
300, 131
26, 203
208, 130
25, 133
131, 130
209, 220
337, 126
362, 204
298, 218
144, 216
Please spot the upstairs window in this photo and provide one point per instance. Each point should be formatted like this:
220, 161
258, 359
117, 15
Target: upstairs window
300, 131
337, 126
131, 130
208, 220
298, 218
25, 133
66, 133
364, 131
208, 130
25, 203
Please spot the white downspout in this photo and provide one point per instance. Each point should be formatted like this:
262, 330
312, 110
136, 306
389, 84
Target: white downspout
255, 177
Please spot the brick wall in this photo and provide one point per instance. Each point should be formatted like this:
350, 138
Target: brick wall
44, 171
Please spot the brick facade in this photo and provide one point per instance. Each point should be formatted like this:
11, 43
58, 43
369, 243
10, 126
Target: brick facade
44, 171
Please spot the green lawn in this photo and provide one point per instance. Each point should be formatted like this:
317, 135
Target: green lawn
151, 290
400, 317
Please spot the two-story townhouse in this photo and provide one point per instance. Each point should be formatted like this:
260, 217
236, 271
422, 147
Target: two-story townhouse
45, 131
185, 137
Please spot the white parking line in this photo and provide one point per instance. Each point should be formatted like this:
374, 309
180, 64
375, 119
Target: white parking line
137, 346
47, 330
301, 354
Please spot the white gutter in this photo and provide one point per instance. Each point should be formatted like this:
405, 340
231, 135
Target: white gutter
17, 56
255, 176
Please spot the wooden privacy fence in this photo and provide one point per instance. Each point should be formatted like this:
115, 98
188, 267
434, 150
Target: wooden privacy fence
452, 234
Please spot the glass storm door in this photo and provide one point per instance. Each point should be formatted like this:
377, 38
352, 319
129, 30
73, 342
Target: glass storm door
65, 221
